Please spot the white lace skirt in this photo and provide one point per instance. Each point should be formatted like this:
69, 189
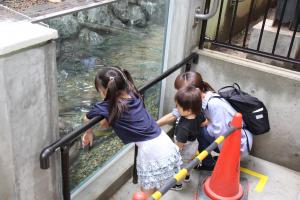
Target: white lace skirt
157, 161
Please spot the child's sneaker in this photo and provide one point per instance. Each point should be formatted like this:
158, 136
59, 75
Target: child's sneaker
177, 187
187, 178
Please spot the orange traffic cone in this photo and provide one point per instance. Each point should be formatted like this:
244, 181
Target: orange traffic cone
224, 182
139, 196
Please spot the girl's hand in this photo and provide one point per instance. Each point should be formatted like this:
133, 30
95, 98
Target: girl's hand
87, 139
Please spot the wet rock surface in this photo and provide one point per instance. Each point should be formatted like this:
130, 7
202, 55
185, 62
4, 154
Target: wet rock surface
88, 161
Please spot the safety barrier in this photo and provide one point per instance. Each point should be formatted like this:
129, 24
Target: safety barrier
183, 172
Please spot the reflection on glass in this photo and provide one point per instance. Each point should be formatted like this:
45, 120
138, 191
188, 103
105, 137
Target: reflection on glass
129, 34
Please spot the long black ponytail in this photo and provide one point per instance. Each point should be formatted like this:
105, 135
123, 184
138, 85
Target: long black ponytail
115, 81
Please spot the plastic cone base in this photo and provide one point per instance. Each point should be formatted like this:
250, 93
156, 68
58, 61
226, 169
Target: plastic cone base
201, 193
215, 196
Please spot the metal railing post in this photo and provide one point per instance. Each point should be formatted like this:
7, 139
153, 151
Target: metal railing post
65, 163
204, 25
134, 172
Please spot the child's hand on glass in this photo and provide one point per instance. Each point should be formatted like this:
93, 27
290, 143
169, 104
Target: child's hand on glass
87, 139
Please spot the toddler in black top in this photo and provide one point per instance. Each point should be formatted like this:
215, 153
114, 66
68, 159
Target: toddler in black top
188, 103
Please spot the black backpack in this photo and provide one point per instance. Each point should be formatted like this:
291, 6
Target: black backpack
254, 112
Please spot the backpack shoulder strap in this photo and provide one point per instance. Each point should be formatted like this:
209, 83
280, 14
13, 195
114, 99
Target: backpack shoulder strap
247, 141
235, 86
218, 96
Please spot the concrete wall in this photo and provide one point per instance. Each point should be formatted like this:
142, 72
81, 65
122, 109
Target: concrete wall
278, 88
182, 37
29, 111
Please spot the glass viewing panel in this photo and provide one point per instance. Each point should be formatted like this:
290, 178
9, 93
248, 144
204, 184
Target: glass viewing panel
129, 34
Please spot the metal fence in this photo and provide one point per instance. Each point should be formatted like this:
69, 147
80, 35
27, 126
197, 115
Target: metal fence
281, 13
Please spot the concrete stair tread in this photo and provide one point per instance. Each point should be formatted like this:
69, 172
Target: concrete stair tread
282, 183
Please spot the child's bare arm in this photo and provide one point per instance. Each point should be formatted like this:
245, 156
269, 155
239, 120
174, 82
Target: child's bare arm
179, 144
87, 137
167, 119
205, 123
104, 123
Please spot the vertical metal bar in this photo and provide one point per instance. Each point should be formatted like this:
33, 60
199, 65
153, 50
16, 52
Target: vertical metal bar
134, 175
65, 164
188, 67
195, 58
233, 20
263, 24
296, 20
219, 20
248, 22
134, 170
204, 24
279, 26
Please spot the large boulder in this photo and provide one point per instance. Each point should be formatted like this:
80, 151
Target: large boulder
100, 15
67, 26
99, 19
137, 16
133, 1
155, 10
90, 38
120, 10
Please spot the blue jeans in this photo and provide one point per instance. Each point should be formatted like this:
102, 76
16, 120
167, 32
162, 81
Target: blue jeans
204, 140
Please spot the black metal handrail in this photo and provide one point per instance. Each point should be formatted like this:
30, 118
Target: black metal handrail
212, 11
64, 143
193, 57
257, 50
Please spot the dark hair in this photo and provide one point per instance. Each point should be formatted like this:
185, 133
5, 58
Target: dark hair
194, 79
189, 98
115, 80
